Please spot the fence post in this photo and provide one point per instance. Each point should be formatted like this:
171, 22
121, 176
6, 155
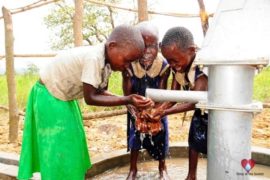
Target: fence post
10, 72
78, 23
142, 10
203, 16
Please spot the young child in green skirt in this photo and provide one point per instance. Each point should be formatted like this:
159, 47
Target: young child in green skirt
54, 142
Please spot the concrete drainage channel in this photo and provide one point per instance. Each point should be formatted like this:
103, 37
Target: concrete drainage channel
105, 162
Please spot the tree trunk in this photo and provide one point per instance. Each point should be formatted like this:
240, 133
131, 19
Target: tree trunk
11, 83
204, 17
142, 10
78, 23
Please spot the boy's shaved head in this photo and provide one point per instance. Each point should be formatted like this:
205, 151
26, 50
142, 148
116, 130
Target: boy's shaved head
127, 36
180, 36
178, 48
148, 28
124, 45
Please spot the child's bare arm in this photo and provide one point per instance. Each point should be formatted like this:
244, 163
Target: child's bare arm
93, 97
126, 83
106, 93
127, 90
160, 106
200, 85
159, 111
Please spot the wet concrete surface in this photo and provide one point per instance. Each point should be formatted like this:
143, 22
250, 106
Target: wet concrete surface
177, 169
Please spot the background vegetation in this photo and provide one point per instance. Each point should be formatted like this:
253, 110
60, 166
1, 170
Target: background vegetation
26, 81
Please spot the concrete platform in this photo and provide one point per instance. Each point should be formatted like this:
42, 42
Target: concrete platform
101, 163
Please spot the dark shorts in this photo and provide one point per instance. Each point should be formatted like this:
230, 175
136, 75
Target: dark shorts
197, 139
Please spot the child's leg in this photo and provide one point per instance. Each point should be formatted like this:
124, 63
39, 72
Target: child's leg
162, 165
196, 140
163, 170
133, 164
193, 161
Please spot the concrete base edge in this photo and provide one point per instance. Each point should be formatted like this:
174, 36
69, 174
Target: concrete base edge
104, 162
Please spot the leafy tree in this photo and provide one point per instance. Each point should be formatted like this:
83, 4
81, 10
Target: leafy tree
98, 21
32, 69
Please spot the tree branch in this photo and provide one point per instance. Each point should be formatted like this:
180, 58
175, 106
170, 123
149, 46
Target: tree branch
97, 34
89, 41
60, 5
30, 55
111, 16
149, 12
31, 6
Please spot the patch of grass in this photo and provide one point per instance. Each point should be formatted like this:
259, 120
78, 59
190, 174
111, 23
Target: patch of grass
262, 85
115, 87
25, 82
23, 85
115, 83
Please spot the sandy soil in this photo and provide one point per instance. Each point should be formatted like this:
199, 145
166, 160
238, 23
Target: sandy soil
108, 134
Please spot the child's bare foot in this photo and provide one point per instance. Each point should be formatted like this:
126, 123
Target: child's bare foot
132, 175
163, 175
191, 177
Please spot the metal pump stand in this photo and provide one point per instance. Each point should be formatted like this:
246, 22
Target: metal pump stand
235, 46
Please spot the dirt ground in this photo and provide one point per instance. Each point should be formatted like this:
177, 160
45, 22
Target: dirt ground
108, 134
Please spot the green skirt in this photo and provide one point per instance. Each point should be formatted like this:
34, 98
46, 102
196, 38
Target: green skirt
54, 142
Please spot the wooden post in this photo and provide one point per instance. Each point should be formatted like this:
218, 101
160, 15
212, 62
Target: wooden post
142, 10
11, 83
204, 17
78, 23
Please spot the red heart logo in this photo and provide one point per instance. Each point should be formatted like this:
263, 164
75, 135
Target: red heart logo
248, 164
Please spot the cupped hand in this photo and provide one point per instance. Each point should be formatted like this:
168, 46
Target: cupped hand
157, 114
152, 114
140, 101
